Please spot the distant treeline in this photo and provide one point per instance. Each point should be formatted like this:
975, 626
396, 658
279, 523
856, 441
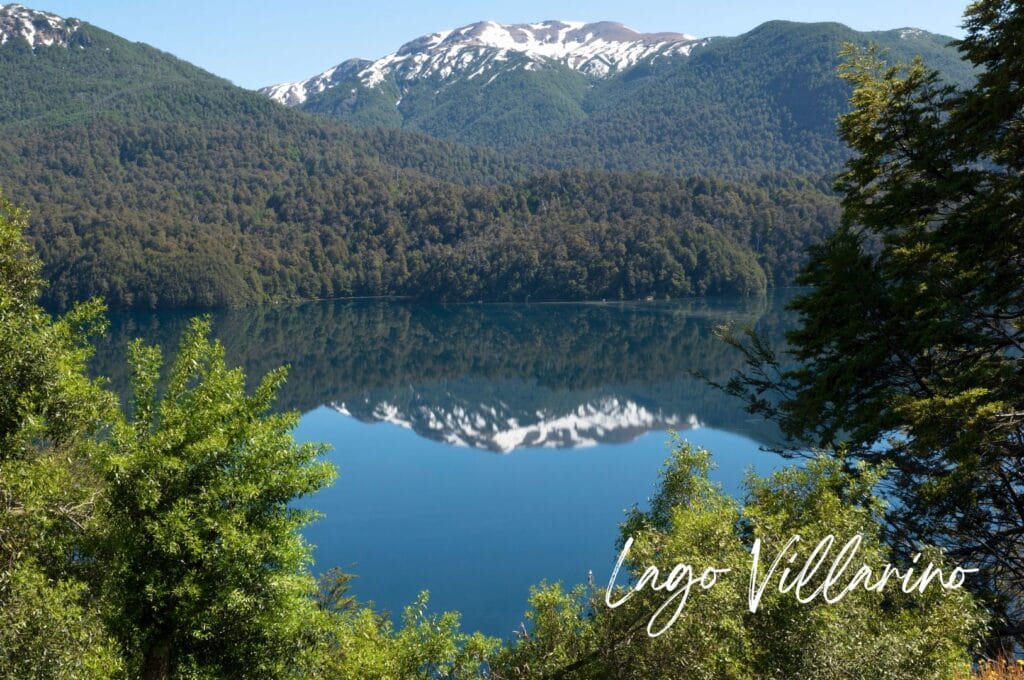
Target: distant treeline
173, 215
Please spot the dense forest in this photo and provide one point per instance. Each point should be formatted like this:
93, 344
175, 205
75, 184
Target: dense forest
149, 216
154, 184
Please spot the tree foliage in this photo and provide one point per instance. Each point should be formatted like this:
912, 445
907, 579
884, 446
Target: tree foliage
204, 566
910, 346
161, 543
151, 217
691, 521
49, 415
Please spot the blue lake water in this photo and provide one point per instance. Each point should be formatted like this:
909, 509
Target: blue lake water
482, 449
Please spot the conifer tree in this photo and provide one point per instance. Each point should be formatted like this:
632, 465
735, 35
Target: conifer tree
910, 346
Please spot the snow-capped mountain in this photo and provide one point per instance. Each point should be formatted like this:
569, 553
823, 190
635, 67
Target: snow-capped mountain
487, 48
602, 96
293, 94
499, 428
35, 27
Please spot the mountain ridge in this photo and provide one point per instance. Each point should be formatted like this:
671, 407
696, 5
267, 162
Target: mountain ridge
596, 49
763, 101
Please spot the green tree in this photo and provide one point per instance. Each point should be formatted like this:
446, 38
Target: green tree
910, 346
50, 419
163, 545
361, 644
205, 573
692, 521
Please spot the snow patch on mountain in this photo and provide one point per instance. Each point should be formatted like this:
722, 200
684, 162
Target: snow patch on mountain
293, 94
908, 33
35, 27
598, 50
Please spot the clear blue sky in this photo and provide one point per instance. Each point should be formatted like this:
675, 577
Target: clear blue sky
260, 42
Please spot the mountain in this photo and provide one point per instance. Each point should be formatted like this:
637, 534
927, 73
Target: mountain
36, 28
153, 183
602, 96
59, 73
490, 49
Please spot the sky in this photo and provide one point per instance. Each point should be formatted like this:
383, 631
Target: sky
261, 42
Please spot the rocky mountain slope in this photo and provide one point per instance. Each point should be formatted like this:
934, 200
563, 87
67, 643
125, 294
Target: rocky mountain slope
34, 27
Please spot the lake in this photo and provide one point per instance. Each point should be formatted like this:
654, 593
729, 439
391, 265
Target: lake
482, 449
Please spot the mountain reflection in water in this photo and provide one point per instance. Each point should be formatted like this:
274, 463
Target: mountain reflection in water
492, 377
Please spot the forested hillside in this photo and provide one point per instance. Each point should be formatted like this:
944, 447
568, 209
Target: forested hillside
153, 183
766, 100
147, 216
